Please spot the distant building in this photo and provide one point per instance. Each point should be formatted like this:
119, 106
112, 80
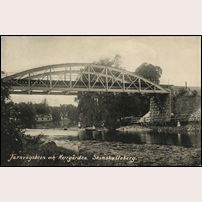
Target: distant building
64, 116
44, 118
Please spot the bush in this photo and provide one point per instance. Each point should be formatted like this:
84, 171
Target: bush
183, 91
10, 130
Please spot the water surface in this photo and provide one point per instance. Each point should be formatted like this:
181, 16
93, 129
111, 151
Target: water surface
140, 137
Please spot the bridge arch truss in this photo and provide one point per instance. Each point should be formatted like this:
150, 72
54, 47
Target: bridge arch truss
71, 78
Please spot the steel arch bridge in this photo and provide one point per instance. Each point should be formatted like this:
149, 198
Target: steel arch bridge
71, 78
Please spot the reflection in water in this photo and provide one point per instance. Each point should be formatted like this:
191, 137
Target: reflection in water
140, 137
103, 135
179, 138
93, 133
148, 139
144, 137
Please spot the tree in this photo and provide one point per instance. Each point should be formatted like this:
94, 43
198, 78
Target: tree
42, 108
10, 130
56, 115
104, 61
87, 109
150, 72
27, 114
72, 113
116, 62
108, 108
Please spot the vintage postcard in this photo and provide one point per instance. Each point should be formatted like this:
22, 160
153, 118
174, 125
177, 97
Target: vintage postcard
100, 101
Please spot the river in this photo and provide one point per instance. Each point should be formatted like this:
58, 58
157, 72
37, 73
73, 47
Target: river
140, 137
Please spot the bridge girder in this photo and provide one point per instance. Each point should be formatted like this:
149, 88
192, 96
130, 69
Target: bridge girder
71, 78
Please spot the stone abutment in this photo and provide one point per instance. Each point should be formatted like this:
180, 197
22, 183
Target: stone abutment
160, 108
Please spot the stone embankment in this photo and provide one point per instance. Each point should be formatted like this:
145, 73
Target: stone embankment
195, 116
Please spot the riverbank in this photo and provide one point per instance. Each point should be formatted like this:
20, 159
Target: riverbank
97, 153
191, 127
133, 128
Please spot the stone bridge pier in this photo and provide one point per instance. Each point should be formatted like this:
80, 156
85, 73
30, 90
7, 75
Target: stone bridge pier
160, 108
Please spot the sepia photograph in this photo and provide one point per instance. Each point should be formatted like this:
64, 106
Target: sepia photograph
100, 101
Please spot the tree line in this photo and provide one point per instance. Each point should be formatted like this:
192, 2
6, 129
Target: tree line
26, 113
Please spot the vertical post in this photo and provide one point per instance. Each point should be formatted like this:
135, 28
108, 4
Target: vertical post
65, 75
123, 81
186, 85
107, 87
170, 110
50, 80
139, 81
89, 78
70, 77
29, 83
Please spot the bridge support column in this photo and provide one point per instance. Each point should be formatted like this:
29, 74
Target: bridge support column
160, 108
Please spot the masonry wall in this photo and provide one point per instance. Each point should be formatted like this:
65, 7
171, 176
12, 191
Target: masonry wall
160, 108
185, 106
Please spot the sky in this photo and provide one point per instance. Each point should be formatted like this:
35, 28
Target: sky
178, 56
